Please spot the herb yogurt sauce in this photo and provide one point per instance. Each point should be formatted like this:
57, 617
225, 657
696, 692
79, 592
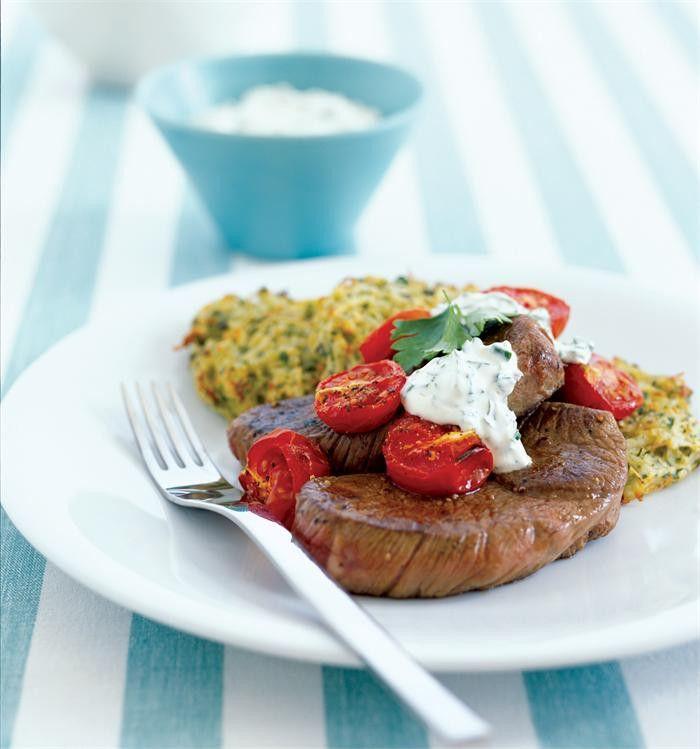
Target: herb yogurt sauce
574, 351
469, 388
282, 110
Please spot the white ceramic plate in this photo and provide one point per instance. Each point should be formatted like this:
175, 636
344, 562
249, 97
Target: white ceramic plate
75, 487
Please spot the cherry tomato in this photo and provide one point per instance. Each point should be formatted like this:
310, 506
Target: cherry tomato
434, 459
377, 345
600, 384
362, 398
277, 466
532, 299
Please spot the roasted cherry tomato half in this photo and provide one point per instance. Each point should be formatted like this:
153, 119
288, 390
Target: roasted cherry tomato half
377, 345
532, 299
434, 459
277, 466
362, 398
600, 384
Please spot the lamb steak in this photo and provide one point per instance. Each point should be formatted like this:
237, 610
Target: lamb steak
347, 453
538, 360
374, 538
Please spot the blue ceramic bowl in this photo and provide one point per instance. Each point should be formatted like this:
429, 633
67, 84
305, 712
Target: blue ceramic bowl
275, 196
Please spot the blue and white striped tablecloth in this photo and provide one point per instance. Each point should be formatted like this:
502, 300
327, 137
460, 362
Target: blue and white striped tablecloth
562, 132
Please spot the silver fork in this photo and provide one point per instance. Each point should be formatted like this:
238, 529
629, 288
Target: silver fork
185, 474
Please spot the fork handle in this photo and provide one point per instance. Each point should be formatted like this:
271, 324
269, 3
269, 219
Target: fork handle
452, 720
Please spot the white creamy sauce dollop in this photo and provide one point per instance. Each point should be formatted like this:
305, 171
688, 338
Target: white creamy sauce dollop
469, 388
495, 304
541, 316
491, 303
280, 109
575, 351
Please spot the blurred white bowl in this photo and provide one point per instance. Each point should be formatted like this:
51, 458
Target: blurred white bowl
119, 40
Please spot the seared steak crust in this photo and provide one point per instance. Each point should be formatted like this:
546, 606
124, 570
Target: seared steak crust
377, 539
347, 453
576, 452
538, 360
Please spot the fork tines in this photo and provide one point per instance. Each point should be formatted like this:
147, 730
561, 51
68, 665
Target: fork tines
162, 429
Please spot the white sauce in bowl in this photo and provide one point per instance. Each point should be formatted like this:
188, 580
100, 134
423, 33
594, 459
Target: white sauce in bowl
469, 388
282, 110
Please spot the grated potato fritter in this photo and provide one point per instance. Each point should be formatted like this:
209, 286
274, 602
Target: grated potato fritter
663, 436
248, 351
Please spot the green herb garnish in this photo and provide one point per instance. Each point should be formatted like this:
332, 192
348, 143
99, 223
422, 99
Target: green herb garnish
476, 322
416, 341
503, 352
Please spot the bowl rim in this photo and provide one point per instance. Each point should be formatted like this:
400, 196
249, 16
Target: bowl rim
147, 83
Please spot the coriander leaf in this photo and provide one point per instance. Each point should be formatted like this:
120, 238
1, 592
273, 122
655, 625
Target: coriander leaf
453, 335
476, 323
416, 341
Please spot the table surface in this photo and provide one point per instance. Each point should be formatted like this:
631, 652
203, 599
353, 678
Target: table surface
562, 133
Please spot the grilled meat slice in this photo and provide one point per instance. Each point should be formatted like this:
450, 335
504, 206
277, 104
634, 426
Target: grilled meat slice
347, 453
377, 539
538, 360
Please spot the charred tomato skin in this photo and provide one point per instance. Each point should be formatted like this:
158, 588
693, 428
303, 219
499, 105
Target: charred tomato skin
435, 459
533, 298
362, 398
378, 344
278, 464
601, 385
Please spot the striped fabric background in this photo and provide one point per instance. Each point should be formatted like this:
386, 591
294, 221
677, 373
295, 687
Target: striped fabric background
567, 131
